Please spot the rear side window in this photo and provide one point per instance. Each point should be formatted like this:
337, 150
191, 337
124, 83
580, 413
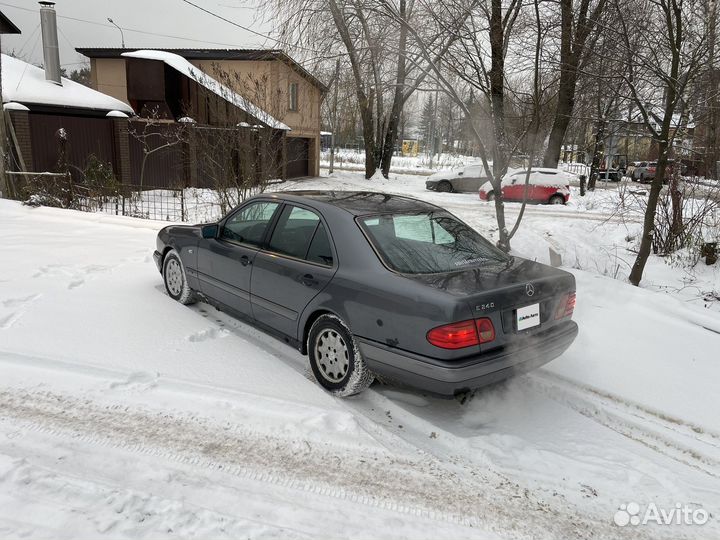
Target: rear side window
428, 243
248, 225
320, 251
294, 232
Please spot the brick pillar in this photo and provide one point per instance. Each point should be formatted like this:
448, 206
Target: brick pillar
122, 150
21, 125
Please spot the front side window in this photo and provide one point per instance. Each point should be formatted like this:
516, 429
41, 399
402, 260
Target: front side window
294, 231
248, 225
293, 97
428, 243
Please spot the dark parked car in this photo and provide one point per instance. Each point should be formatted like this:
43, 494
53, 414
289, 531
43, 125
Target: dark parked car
370, 283
612, 175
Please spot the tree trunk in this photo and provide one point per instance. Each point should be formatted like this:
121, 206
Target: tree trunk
397, 106
676, 226
572, 46
597, 153
649, 220
334, 116
497, 95
674, 26
364, 104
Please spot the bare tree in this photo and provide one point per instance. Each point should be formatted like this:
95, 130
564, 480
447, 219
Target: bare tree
155, 135
237, 154
675, 46
578, 25
477, 61
385, 67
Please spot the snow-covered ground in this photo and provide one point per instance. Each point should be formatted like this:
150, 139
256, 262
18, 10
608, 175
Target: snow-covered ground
348, 159
126, 415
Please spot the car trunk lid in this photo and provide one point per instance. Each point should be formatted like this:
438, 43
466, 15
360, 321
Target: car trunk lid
497, 290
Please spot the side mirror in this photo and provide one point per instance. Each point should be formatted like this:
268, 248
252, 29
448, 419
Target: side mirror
210, 231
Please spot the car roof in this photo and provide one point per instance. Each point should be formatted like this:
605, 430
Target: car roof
356, 202
540, 170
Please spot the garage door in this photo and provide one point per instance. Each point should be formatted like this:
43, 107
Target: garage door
297, 157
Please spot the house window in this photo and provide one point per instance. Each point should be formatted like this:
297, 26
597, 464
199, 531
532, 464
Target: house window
293, 95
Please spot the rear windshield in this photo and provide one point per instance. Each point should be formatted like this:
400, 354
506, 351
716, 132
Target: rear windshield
428, 243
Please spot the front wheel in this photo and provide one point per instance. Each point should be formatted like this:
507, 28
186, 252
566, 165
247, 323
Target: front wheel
175, 279
557, 199
335, 359
444, 187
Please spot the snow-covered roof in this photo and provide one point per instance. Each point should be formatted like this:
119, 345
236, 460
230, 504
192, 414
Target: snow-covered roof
203, 79
26, 84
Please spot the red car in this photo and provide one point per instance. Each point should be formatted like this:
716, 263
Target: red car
546, 186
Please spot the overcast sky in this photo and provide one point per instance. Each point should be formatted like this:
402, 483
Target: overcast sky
139, 20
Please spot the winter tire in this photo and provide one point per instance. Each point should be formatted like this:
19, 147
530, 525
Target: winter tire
445, 187
175, 279
557, 199
335, 359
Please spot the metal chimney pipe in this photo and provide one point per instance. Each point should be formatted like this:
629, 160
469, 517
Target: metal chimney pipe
51, 51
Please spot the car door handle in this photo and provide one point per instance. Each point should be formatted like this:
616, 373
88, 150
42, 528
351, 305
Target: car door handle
308, 280
245, 260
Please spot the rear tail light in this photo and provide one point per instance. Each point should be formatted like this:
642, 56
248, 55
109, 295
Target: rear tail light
566, 306
485, 330
462, 334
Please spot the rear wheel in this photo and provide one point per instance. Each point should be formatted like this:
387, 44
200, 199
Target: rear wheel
175, 279
557, 199
335, 359
491, 196
444, 186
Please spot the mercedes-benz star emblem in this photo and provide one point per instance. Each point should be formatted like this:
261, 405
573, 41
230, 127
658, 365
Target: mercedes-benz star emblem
529, 289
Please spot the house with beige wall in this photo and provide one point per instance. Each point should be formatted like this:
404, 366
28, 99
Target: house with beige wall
269, 79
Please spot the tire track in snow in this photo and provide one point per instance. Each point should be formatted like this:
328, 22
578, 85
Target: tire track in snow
675, 438
406, 484
18, 306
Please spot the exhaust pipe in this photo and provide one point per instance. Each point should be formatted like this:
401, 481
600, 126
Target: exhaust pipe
51, 51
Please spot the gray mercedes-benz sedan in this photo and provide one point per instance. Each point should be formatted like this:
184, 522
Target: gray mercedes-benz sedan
373, 284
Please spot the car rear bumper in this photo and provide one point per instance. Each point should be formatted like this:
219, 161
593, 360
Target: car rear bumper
450, 377
157, 257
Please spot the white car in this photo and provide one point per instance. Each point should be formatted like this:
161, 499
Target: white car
468, 178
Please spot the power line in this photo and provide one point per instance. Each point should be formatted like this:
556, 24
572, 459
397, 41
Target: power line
134, 30
259, 34
317, 54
